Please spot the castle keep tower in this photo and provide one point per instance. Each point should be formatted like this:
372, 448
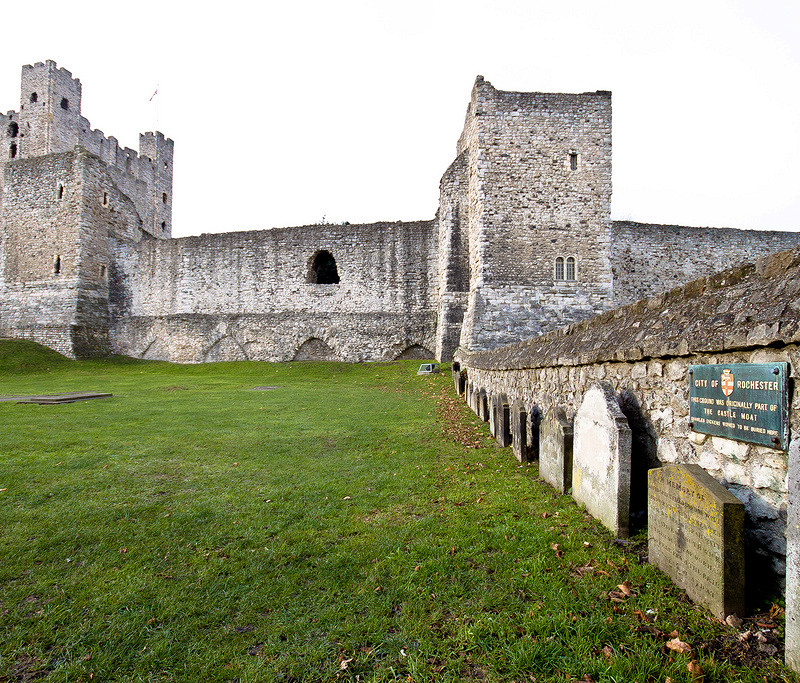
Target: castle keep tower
68, 191
525, 210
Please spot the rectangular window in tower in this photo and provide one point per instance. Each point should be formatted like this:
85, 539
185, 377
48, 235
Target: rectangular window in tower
573, 161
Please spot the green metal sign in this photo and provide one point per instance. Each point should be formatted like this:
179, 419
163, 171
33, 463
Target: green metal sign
742, 401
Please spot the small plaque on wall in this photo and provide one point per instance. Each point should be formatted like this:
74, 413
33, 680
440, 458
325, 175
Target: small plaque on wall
742, 401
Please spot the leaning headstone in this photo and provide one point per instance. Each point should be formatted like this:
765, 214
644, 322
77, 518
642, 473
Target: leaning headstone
601, 462
555, 449
792, 641
519, 431
695, 534
502, 421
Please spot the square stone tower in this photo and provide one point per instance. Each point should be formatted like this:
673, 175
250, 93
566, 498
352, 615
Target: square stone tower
531, 190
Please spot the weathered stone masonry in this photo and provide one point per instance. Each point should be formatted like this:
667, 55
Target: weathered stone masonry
747, 314
522, 243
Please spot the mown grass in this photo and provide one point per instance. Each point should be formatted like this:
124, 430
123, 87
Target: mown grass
192, 529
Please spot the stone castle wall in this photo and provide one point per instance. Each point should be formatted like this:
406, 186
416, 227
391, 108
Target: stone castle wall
746, 314
254, 293
522, 243
650, 258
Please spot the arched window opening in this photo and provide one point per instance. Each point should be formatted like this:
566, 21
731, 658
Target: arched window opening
559, 269
163, 226
164, 197
570, 268
64, 103
323, 269
57, 266
13, 129
12, 152
34, 97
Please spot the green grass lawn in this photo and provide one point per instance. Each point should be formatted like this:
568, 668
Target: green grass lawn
193, 529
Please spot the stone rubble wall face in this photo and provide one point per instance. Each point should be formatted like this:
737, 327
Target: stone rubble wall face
258, 282
749, 314
649, 258
453, 257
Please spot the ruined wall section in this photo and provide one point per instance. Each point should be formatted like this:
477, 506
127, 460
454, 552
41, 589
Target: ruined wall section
649, 258
748, 314
253, 293
539, 189
49, 122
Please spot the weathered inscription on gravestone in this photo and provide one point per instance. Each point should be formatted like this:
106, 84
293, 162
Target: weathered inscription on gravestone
601, 459
695, 533
742, 401
555, 449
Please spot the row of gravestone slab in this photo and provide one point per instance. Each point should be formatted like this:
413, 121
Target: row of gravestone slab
695, 526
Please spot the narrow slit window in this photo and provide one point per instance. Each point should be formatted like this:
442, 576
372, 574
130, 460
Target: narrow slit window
57, 266
163, 226
164, 197
102, 271
60, 191
105, 198
34, 97
12, 152
559, 270
570, 268
573, 161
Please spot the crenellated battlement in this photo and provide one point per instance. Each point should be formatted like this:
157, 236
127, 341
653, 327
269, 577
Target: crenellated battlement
49, 121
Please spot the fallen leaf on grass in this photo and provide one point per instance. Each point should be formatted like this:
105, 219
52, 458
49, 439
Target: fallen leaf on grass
343, 664
775, 611
695, 671
625, 588
679, 646
607, 652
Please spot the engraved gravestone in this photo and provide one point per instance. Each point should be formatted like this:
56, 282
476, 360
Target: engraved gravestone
493, 401
519, 432
793, 560
601, 459
555, 449
695, 534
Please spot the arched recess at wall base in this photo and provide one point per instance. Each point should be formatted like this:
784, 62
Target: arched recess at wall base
225, 349
415, 352
315, 349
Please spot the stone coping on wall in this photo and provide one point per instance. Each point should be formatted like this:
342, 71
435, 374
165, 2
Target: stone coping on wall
752, 305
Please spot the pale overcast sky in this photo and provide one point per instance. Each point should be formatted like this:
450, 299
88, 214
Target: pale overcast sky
287, 112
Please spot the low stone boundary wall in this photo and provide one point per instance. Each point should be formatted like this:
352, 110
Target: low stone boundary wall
749, 314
